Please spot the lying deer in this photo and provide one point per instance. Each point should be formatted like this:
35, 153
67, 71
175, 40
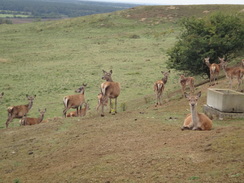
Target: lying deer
159, 87
75, 101
186, 81
213, 69
81, 112
195, 120
20, 110
32, 121
101, 100
110, 90
232, 72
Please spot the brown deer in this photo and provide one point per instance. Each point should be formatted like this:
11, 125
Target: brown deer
213, 69
110, 90
232, 72
195, 120
159, 87
81, 112
32, 121
101, 100
187, 81
75, 101
20, 110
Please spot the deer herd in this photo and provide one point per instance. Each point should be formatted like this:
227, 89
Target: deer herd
111, 90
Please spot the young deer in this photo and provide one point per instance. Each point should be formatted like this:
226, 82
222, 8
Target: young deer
159, 87
232, 72
32, 121
101, 100
195, 120
110, 90
184, 81
213, 69
20, 110
81, 112
75, 101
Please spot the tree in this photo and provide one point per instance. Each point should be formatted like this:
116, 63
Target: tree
214, 36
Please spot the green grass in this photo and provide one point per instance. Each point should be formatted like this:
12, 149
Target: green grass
51, 59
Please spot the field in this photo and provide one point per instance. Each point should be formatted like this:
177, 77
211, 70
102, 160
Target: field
139, 144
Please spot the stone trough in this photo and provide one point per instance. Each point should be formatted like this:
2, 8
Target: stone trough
224, 103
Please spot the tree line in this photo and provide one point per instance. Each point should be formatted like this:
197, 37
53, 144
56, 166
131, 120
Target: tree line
59, 9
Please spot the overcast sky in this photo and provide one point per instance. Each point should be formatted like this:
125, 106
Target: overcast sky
177, 2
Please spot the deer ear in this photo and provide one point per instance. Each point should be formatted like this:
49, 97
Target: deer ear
186, 95
111, 71
169, 71
199, 94
104, 71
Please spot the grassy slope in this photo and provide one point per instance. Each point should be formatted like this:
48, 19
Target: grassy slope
51, 59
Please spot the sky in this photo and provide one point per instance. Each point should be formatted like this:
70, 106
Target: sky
177, 2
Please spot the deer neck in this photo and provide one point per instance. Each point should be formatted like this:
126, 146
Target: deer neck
109, 80
41, 118
194, 116
165, 79
208, 64
30, 105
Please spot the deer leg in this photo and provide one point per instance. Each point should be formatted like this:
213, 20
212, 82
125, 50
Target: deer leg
102, 114
110, 104
65, 111
115, 109
10, 118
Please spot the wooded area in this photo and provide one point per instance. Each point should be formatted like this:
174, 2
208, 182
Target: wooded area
57, 9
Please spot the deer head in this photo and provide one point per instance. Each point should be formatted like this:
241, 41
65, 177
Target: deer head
193, 98
81, 89
107, 75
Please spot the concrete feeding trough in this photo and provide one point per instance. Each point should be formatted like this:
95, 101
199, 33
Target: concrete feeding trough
224, 103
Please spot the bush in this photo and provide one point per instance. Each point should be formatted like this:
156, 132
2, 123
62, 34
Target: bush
215, 36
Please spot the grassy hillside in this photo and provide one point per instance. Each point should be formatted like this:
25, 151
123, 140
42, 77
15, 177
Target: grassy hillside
139, 144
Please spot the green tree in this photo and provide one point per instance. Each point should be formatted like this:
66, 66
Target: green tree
214, 36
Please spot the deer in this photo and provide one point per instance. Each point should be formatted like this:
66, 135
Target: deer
184, 81
33, 121
75, 101
81, 112
195, 120
232, 72
159, 87
20, 110
110, 90
214, 70
101, 100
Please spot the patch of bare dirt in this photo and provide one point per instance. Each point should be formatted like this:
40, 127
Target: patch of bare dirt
140, 145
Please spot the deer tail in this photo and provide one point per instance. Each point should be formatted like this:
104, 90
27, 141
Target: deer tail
66, 101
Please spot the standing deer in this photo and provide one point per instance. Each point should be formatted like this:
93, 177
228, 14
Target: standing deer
20, 110
195, 120
32, 121
159, 87
184, 81
101, 100
110, 90
232, 72
213, 69
81, 112
75, 101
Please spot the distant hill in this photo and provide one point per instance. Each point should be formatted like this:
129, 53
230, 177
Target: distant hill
56, 8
